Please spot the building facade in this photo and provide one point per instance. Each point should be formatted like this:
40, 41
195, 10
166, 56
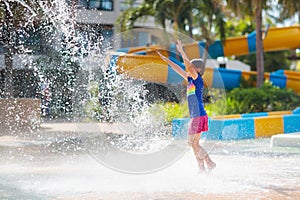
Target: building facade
99, 18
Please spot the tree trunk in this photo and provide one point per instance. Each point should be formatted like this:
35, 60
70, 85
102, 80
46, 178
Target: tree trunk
190, 23
259, 44
191, 30
8, 55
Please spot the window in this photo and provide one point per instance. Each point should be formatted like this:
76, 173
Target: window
124, 5
106, 5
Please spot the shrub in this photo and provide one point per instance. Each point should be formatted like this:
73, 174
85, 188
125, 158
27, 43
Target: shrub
216, 104
171, 110
264, 99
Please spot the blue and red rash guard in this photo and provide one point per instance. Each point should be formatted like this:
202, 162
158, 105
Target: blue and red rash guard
194, 96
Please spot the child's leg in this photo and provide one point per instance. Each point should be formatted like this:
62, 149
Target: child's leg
204, 155
200, 152
193, 141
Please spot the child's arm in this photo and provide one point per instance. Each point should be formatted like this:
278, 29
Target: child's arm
189, 66
174, 66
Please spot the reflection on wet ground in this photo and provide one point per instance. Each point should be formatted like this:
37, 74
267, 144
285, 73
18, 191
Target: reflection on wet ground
64, 169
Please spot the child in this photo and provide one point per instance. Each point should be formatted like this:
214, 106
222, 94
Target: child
199, 120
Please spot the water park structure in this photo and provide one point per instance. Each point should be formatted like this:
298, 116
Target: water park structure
245, 126
143, 62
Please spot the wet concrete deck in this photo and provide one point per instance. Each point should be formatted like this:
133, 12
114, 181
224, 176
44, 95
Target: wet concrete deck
33, 168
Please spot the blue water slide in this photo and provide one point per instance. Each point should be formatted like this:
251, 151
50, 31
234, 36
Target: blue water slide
125, 50
172, 50
228, 79
251, 38
278, 80
214, 50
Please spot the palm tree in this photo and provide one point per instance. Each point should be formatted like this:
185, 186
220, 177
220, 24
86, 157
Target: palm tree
259, 44
253, 8
289, 8
208, 15
177, 11
205, 14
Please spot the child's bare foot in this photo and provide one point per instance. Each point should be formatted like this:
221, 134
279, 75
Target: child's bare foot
210, 166
202, 170
201, 166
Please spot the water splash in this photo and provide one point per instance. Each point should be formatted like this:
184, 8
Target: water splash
120, 100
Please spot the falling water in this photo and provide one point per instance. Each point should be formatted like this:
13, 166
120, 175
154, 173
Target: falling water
83, 88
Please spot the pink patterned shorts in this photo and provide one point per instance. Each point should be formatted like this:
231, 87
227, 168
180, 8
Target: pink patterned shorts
198, 125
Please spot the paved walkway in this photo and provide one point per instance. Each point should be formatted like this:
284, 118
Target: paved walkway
49, 131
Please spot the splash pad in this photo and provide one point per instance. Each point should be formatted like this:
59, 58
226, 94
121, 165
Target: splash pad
135, 104
74, 159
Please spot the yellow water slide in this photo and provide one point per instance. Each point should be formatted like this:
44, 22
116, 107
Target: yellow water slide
143, 62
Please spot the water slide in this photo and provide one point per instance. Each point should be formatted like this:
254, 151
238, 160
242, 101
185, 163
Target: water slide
143, 62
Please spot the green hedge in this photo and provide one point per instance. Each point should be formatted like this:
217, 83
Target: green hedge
264, 99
